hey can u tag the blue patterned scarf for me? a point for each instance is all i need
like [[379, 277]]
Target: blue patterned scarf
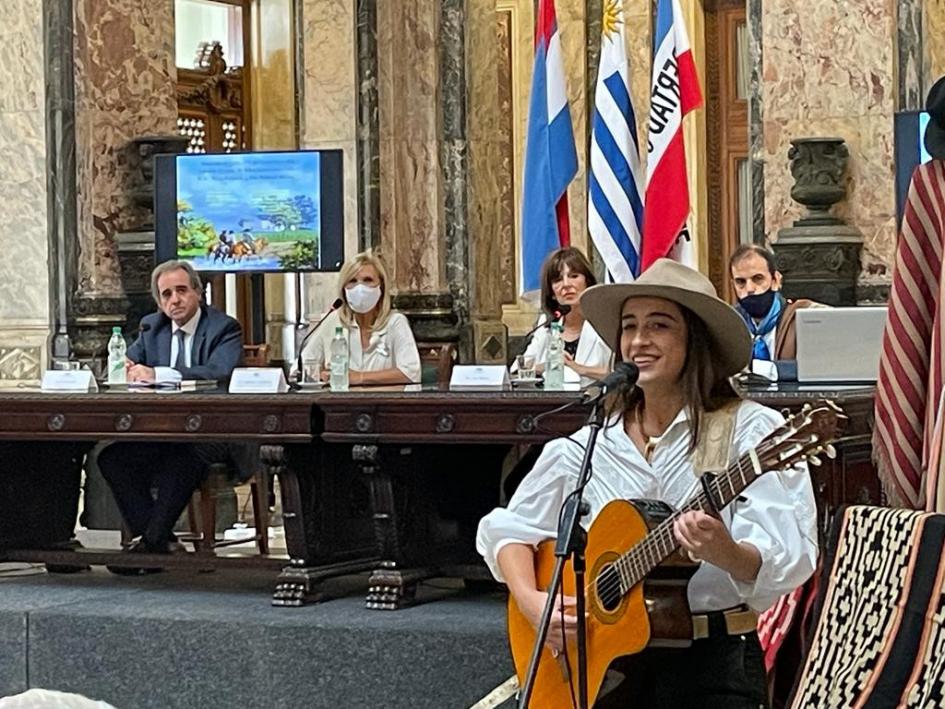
[[759, 350]]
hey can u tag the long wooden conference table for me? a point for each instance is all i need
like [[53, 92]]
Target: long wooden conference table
[[378, 479]]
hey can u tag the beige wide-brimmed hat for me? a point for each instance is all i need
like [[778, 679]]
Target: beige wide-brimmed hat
[[731, 343]]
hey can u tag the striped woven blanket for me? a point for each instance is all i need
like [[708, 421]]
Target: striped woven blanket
[[909, 387]]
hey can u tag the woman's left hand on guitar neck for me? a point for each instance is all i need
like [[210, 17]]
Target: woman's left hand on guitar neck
[[706, 538]]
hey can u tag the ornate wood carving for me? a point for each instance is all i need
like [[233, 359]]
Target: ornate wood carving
[[213, 106]]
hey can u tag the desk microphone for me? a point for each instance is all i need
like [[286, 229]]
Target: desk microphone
[[558, 314], [144, 327], [334, 306]]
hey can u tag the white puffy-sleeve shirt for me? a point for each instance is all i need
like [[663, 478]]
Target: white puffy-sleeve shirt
[[390, 346], [591, 351], [776, 514]]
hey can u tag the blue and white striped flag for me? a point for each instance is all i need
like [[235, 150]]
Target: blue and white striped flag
[[615, 186]]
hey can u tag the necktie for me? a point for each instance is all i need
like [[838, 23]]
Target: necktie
[[181, 362]]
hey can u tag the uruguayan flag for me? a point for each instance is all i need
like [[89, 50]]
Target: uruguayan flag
[[615, 187]]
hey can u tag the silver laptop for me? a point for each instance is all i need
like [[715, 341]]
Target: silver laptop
[[839, 344]]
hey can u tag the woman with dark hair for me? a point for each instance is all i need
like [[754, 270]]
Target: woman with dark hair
[[686, 343], [565, 275]]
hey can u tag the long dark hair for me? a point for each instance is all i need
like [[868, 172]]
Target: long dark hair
[[703, 388], [551, 271]]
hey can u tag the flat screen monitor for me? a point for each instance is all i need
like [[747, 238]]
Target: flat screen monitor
[[251, 212], [909, 134]]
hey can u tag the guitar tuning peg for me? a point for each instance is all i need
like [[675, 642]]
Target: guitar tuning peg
[[831, 451], [814, 460]]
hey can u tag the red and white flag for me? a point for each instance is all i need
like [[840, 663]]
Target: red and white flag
[[674, 93]]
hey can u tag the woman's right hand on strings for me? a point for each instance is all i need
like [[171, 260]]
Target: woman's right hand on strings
[[532, 607]]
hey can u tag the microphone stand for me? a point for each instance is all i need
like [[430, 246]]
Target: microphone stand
[[571, 542]]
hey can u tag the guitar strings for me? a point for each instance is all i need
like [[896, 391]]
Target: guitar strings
[[611, 587], [662, 534]]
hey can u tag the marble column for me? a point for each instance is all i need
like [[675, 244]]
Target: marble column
[[911, 88], [756, 145], [125, 77], [933, 42], [484, 145], [327, 81], [369, 210], [24, 282]]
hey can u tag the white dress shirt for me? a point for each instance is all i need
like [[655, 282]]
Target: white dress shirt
[[169, 374], [777, 516], [591, 351], [389, 347]]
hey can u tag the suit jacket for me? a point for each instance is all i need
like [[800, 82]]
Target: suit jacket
[[216, 350], [785, 339]]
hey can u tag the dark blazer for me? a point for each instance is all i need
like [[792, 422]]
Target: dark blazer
[[216, 351]]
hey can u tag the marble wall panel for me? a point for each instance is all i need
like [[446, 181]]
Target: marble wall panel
[[409, 144], [485, 149], [830, 69], [24, 289], [328, 115], [125, 87], [933, 40]]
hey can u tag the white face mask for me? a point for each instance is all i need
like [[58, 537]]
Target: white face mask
[[362, 298]]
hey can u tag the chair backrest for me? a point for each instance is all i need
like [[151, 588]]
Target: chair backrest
[[436, 362], [879, 637], [256, 355]]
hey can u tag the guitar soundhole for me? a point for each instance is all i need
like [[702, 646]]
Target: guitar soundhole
[[608, 589]]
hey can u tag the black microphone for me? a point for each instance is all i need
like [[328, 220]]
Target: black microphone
[[144, 327], [624, 376], [334, 306], [558, 314]]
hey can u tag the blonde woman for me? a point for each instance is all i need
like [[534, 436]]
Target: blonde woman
[[381, 346]]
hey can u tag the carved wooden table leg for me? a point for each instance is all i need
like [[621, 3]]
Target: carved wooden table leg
[[309, 565], [391, 586]]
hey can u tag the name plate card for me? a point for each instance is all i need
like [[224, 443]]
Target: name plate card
[[258, 380], [60, 380], [479, 376]]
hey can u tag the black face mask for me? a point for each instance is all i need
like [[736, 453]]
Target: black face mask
[[759, 304]]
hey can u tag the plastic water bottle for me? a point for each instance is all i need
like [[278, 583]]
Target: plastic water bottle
[[116, 357], [554, 367], [338, 375]]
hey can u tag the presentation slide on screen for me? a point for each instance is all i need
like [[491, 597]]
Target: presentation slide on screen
[[251, 211]]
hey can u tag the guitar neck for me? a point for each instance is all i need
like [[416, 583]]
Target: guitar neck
[[634, 565]]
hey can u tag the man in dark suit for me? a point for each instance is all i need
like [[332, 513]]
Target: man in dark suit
[[185, 340]]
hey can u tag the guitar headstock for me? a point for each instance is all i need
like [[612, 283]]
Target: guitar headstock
[[805, 435]]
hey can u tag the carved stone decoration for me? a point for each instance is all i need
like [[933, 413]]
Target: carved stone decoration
[[20, 363], [819, 255], [143, 150], [818, 166]]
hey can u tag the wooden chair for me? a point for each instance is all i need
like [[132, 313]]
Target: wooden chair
[[202, 514], [436, 361], [256, 355], [203, 523]]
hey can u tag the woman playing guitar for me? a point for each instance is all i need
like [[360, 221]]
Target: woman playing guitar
[[686, 343]]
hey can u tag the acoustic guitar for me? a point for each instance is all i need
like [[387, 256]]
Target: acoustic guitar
[[637, 576]]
